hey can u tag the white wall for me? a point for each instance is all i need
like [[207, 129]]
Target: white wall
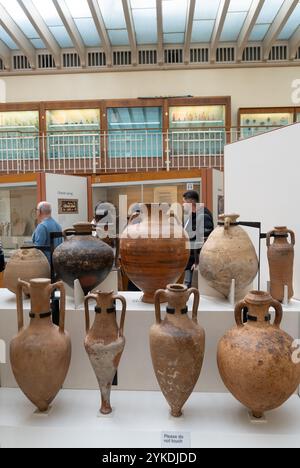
[[248, 87], [262, 184], [67, 187], [218, 191]]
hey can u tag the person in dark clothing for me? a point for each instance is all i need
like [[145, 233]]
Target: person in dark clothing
[[199, 226], [2, 260]]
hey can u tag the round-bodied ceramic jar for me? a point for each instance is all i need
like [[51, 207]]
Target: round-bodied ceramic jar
[[255, 358], [25, 264], [154, 251], [228, 255]]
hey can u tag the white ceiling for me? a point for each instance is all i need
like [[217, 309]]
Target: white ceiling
[[31, 26]]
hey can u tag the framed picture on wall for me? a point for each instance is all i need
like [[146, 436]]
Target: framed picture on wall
[[68, 206]]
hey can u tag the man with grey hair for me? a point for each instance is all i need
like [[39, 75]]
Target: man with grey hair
[[46, 225]]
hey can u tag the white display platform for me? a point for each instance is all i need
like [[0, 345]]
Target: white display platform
[[135, 370], [211, 420]]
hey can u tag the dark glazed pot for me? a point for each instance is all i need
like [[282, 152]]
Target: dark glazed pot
[[255, 359], [83, 257]]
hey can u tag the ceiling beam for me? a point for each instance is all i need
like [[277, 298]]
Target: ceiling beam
[[18, 36], [277, 26], [250, 21], [160, 33], [294, 44], [131, 31], [6, 55], [219, 24], [40, 26], [72, 29], [189, 29], [100, 25]]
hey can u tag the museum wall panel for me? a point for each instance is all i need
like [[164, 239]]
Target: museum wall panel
[[261, 190], [249, 87]]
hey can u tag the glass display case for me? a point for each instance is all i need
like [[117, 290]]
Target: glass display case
[[145, 192], [19, 135], [73, 133], [17, 216], [197, 130], [135, 132], [254, 123]]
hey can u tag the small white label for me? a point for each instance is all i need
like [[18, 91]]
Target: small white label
[[175, 440], [190, 186]]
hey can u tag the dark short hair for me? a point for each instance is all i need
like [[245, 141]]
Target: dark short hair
[[192, 195]]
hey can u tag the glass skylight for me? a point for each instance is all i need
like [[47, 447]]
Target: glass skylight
[[143, 3], [174, 38], [15, 11], [113, 15], [144, 14], [145, 25], [174, 16], [88, 32], [7, 39], [61, 35], [118, 37], [206, 10], [259, 32], [232, 27], [79, 8], [269, 11], [48, 12], [292, 24], [38, 43], [239, 5], [202, 30]]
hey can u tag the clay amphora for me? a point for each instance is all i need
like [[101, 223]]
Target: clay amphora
[[154, 252], [40, 354], [255, 359], [25, 264], [177, 346], [105, 341], [83, 257], [228, 255], [281, 262]]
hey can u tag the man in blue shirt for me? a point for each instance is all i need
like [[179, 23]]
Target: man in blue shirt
[[46, 225]]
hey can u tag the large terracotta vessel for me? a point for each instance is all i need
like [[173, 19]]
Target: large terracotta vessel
[[105, 342], [40, 354], [83, 257], [177, 346], [281, 262], [255, 358], [25, 264], [154, 251], [229, 255]]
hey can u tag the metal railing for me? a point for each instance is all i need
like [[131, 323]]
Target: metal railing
[[118, 151]]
